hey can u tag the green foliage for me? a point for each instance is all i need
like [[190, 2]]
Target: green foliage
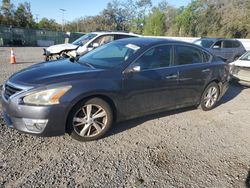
[[7, 13], [23, 16], [49, 24], [155, 23]]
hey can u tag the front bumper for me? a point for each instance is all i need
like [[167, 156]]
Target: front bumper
[[36, 120]]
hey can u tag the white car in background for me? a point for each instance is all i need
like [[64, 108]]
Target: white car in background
[[84, 44], [240, 69]]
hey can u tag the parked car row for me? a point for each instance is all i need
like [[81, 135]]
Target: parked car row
[[117, 81], [228, 50]]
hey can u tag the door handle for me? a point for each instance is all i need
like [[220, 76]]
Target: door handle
[[171, 76], [205, 70]]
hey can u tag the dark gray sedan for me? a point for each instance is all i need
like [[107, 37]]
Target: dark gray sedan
[[118, 81]]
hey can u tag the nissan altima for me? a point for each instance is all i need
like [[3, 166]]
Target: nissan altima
[[121, 80]]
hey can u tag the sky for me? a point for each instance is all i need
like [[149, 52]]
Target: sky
[[75, 8]]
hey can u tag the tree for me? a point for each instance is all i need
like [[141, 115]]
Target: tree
[[50, 24], [187, 22], [155, 23], [140, 9], [23, 16], [7, 12]]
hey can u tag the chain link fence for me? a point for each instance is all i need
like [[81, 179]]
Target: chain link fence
[[13, 36]]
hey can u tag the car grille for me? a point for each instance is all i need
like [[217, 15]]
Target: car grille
[[10, 90]]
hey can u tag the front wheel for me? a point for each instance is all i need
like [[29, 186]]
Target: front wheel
[[210, 97], [90, 120]]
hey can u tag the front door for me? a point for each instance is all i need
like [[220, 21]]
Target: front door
[[152, 84]]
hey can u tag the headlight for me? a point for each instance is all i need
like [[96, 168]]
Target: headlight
[[46, 97]]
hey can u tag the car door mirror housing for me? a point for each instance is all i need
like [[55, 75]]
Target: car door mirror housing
[[216, 47], [136, 68]]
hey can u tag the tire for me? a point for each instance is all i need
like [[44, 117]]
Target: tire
[[90, 120], [210, 97]]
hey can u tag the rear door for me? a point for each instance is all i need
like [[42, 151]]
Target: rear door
[[194, 72], [228, 50], [217, 49], [153, 85]]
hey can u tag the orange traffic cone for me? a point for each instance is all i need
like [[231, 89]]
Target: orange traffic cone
[[12, 57]]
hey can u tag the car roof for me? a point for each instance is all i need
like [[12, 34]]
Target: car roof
[[216, 39], [150, 41], [115, 32]]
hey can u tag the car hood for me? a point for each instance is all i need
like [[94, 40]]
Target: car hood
[[241, 63], [52, 72], [60, 47]]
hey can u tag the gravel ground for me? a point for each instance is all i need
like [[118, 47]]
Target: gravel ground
[[182, 148]]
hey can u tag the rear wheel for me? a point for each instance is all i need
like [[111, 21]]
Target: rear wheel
[[90, 120], [209, 97]]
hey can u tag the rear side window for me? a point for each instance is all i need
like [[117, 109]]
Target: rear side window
[[188, 55], [157, 57], [227, 44], [236, 44]]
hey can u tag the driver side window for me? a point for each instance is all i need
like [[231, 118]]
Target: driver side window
[[157, 57], [218, 45], [103, 40]]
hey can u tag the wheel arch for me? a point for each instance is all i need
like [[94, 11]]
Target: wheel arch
[[215, 80], [104, 97]]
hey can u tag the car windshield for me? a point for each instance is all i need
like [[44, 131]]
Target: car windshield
[[109, 56], [205, 43], [84, 39], [246, 56]]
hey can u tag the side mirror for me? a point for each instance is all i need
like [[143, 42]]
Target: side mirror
[[136, 68], [95, 45], [216, 47]]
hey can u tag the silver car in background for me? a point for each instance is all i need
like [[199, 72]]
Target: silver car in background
[[227, 49], [84, 44], [240, 69]]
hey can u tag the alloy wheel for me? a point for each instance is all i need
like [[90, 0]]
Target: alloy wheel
[[211, 97], [90, 120]]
